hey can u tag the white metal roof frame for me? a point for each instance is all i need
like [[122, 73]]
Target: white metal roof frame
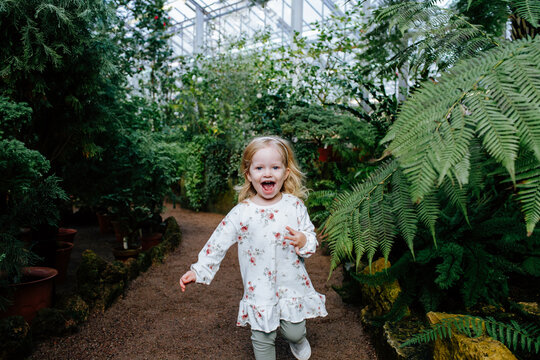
[[202, 24]]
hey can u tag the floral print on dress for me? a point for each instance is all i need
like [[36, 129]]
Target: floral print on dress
[[276, 284], [270, 275], [250, 291], [304, 280], [243, 228], [253, 255], [267, 215], [278, 238]]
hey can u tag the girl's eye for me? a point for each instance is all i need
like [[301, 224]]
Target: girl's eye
[[258, 168], [276, 167]]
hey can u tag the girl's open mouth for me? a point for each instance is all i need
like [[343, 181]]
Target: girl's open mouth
[[268, 186]]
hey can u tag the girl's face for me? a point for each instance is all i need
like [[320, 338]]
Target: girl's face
[[267, 173]]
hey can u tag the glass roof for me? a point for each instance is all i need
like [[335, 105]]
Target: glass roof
[[205, 25]]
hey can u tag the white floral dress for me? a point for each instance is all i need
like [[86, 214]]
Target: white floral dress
[[276, 283]]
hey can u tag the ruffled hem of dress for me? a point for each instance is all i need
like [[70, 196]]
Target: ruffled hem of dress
[[266, 318]]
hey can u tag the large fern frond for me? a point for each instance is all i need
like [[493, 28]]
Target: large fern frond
[[428, 212], [483, 98], [403, 209], [528, 184], [360, 220]]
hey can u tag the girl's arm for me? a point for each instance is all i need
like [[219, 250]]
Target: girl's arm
[[211, 255], [304, 239]]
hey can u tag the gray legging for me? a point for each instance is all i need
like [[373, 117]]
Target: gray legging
[[264, 343]]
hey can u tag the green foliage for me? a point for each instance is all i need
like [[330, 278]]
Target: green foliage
[[493, 20], [141, 32], [15, 118], [359, 216], [141, 176], [193, 170], [30, 198], [431, 35], [528, 10], [207, 166], [513, 335], [57, 59], [327, 127], [30, 195], [478, 245], [494, 98]]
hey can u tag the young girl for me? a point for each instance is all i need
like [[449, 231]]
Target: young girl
[[274, 235]]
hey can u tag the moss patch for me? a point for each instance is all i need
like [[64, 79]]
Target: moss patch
[[16, 340]]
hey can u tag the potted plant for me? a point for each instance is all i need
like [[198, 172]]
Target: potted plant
[[28, 199], [142, 178], [126, 216]]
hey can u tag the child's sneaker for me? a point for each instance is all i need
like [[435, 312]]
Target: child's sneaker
[[302, 350]]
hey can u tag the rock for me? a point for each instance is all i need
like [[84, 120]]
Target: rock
[[379, 298], [462, 347], [388, 339]]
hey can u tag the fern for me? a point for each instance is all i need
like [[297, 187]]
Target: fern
[[441, 35], [481, 97], [528, 181], [361, 220], [529, 10], [513, 335], [404, 209]]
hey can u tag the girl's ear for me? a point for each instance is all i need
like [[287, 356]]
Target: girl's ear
[[287, 173], [248, 177]]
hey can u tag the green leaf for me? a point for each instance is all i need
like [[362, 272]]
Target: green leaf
[[532, 265]]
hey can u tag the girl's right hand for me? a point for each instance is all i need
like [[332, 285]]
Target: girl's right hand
[[187, 278]]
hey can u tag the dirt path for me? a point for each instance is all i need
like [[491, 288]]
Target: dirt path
[[156, 321]]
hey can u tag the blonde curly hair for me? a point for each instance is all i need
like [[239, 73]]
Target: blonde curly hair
[[294, 183]]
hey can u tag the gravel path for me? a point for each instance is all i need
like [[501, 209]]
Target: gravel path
[[155, 320]]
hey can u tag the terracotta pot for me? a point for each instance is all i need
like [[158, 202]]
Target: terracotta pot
[[148, 241], [125, 254], [325, 153], [104, 221], [61, 259], [67, 235], [33, 294]]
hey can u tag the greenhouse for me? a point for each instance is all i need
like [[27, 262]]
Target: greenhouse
[[365, 175]]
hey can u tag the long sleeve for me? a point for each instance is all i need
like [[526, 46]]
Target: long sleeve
[[214, 251], [305, 226]]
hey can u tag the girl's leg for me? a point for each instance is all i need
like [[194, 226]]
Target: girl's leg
[[264, 345], [293, 332]]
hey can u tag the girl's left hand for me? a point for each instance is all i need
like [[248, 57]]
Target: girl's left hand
[[298, 239]]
